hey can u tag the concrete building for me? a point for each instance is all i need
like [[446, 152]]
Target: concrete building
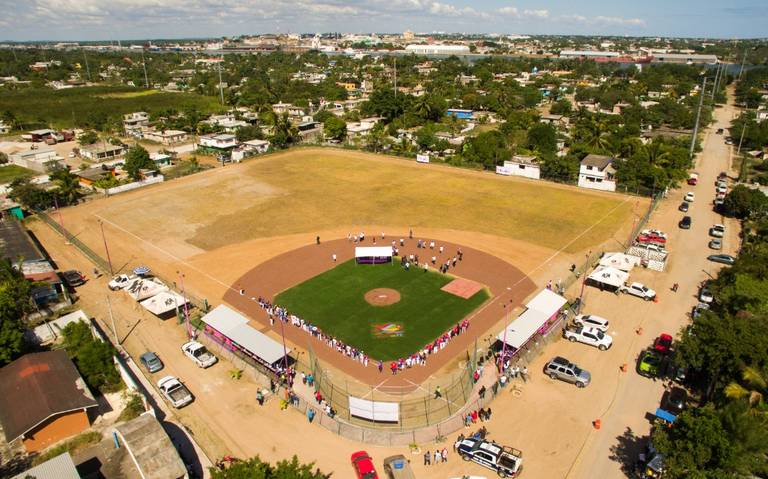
[[249, 148], [43, 400], [102, 152], [587, 54], [165, 137], [525, 166], [684, 58], [133, 122], [35, 160], [223, 141], [437, 49], [150, 449], [596, 172]]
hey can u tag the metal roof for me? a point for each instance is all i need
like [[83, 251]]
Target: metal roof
[[60, 467]]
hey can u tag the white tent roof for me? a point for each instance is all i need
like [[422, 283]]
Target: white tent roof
[[610, 276], [373, 251], [163, 302], [235, 326], [141, 289], [542, 307], [624, 262]]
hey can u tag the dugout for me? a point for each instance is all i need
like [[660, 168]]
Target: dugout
[[373, 254], [231, 329]]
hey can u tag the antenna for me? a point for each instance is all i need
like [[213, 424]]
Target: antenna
[[87, 68], [221, 87]]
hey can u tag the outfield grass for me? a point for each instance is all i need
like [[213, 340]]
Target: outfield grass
[[334, 301], [9, 173]]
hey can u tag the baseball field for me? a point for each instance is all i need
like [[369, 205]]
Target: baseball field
[[413, 311]]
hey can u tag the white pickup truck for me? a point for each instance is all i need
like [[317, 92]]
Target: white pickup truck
[[592, 336], [639, 290], [173, 390], [199, 354], [121, 281]]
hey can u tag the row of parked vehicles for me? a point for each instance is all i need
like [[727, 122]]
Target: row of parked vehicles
[[170, 386]]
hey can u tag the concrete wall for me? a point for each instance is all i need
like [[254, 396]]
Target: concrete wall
[[55, 429]]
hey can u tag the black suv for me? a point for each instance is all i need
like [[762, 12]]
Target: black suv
[[73, 278], [685, 223]]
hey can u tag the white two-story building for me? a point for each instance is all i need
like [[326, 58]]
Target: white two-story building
[[596, 172]]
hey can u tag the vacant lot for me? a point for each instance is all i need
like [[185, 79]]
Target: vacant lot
[[334, 301], [9, 173]]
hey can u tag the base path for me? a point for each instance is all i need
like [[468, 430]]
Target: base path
[[508, 285]]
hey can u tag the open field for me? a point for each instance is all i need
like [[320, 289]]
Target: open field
[[9, 173], [44, 107], [334, 301]]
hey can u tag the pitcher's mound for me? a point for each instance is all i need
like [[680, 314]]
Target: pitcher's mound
[[382, 296]]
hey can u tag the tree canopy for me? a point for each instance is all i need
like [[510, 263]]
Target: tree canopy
[[137, 159], [255, 468]]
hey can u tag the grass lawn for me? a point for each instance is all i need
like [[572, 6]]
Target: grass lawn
[[334, 301], [9, 173]]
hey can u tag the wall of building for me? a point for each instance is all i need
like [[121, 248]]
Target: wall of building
[[55, 429]]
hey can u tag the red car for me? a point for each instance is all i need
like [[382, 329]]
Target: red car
[[363, 465], [663, 344], [651, 238]]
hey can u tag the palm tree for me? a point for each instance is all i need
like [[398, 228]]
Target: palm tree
[[423, 107], [756, 384], [68, 186], [654, 153]]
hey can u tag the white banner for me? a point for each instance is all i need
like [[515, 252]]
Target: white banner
[[422, 158], [374, 410]]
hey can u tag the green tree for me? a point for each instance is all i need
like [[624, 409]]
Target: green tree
[[3, 158], [87, 138], [92, 357], [30, 195], [487, 149], [561, 107], [250, 132], [335, 128], [14, 305], [137, 159], [67, 189], [542, 138], [742, 202], [255, 468]]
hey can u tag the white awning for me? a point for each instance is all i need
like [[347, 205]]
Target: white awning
[[163, 302], [624, 262], [374, 410], [539, 310], [235, 326], [373, 252], [610, 276]]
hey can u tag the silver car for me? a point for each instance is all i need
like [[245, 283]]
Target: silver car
[[564, 370], [716, 243]]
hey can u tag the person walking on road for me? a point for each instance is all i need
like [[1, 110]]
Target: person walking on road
[[427, 458], [438, 394]]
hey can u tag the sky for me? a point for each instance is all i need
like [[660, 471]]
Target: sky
[[25, 20]]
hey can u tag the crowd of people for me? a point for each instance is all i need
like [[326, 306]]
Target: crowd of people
[[436, 457], [418, 358]]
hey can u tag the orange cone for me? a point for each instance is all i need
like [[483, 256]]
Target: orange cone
[[639, 331], [624, 368], [596, 423]]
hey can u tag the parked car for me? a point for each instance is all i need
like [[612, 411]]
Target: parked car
[[151, 362], [722, 258], [728, 140], [120, 281], [174, 391], [592, 336], [719, 131], [683, 207], [363, 465], [697, 310], [651, 238], [398, 467], [705, 295], [592, 321], [73, 278], [716, 243], [639, 290], [675, 400], [199, 354], [506, 461], [693, 179], [689, 197], [717, 230], [650, 364], [685, 223], [663, 344], [653, 232], [652, 247], [721, 189], [721, 182], [564, 370]]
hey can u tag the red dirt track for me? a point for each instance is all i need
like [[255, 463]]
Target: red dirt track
[[508, 286]]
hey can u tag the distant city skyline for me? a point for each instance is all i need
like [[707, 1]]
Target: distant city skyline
[[105, 20]]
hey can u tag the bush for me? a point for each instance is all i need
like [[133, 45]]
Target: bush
[[133, 408], [92, 357]]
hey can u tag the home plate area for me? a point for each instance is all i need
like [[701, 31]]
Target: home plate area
[[463, 288]]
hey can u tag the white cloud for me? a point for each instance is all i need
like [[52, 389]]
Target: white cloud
[[603, 20]]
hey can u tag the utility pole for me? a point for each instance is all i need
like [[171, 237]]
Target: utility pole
[[717, 79], [144, 64], [698, 115], [743, 59], [221, 87], [104, 238], [87, 68], [395, 59], [743, 167], [112, 320]]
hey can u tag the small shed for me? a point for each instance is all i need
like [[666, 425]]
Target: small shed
[[150, 448]]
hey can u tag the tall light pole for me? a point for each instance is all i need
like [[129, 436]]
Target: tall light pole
[[698, 115], [186, 304], [584, 279], [106, 248]]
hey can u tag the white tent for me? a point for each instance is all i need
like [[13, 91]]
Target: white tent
[[142, 289], [373, 252], [624, 262], [538, 311], [163, 302], [609, 276], [235, 327]]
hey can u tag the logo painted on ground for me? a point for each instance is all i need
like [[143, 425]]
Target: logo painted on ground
[[388, 330]]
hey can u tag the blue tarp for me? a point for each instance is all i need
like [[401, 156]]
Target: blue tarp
[[665, 415]]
